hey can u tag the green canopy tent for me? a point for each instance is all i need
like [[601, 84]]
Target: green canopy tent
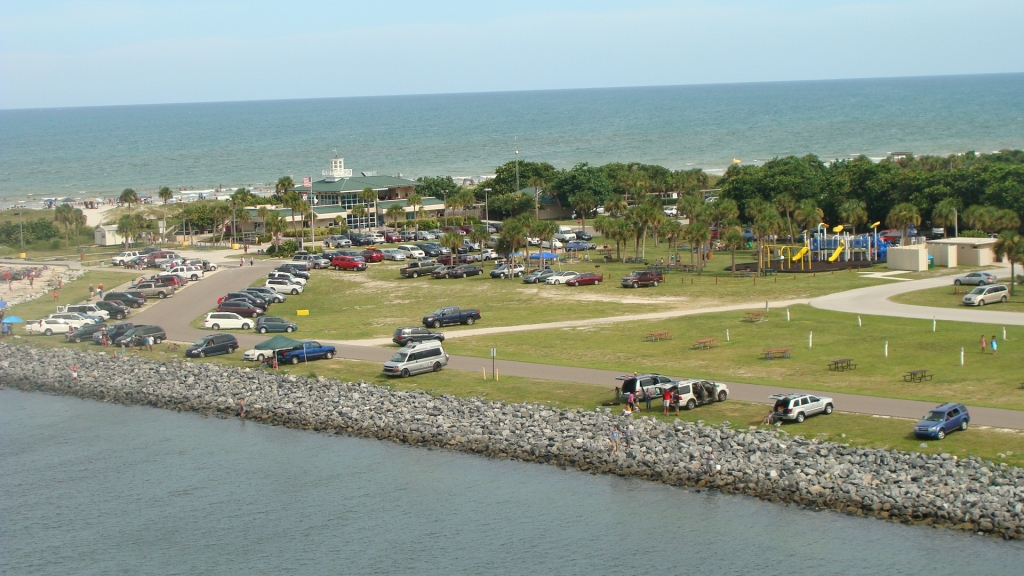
[[279, 343]]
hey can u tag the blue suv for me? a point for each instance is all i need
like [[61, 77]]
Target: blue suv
[[942, 420]]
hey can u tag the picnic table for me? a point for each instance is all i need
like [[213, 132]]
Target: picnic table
[[660, 335], [705, 344], [756, 317], [773, 353], [842, 364], [917, 376]]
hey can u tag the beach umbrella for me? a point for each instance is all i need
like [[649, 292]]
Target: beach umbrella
[[12, 320]]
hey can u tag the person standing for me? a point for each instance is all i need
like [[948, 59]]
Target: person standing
[[630, 398], [251, 261], [55, 295], [99, 292], [994, 344], [647, 399], [627, 435], [241, 262], [241, 408], [615, 439], [92, 291], [666, 401], [709, 461], [74, 372], [984, 344], [149, 343]]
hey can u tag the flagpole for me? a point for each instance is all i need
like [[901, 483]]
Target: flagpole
[[312, 216]]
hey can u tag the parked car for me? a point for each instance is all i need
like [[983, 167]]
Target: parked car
[[254, 299], [348, 263], [124, 257], [112, 332], [393, 254], [337, 242], [90, 310], [642, 278], [114, 309], [983, 295], [137, 335], [468, 259], [293, 270], [506, 270], [450, 315], [586, 236], [284, 286], [488, 254], [565, 236], [83, 332], [372, 255], [693, 393], [207, 265], [976, 279], [311, 260], [171, 280], [585, 279], [408, 236], [376, 237], [561, 277], [275, 324], [266, 293], [538, 276], [407, 334], [50, 326], [443, 272], [360, 240], [555, 243], [240, 307], [417, 358], [797, 407], [157, 289], [411, 251], [309, 350], [418, 268], [74, 318], [125, 298], [942, 420], [286, 276], [212, 345], [580, 245], [193, 273], [429, 250], [393, 236], [227, 321], [638, 383]]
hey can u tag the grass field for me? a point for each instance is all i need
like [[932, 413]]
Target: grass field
[[946, 297], [985, 380], [371, 304], [72, 293], [857, 430]]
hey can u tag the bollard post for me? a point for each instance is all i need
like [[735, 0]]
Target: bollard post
[[810, 340], [886, 348], [858, 322], [1004, 332], [484, 370], [495, 374], [787, 314], [727, 335], [933, 324], [961, 356], [755, 280], [716, 279], [766, 306]]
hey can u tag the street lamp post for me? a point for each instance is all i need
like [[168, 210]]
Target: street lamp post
[[956, 224], [21, 231], [487, 213]]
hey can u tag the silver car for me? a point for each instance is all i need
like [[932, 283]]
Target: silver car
[[417, 358], [797, 407], [976, 279], [986, 295]]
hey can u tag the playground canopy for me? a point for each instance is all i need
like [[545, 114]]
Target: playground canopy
[[544, 255]]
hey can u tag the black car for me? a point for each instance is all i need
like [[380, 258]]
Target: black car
[[137, 335], [581, 235], [137, 294], [125, 298], [113, 331], [360, 240], [408, 334], [257, 301], [212, 345], [466, 270], [85, 332], [430, 250], [294, 271], [268, 294], [116, 311]]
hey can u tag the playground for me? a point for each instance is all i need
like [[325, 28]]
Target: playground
[[822, 251]]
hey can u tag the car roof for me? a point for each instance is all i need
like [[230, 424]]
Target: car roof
[[948, 406]]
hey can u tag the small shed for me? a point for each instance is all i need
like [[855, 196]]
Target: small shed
[[963, 251], [107, 236]]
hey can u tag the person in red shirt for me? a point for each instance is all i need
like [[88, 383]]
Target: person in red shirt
[[666, 400]]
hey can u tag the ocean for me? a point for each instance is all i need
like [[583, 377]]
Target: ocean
[[78, 152], [96, 488]]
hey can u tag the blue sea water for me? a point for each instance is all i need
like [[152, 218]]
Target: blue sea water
[[102, 150]]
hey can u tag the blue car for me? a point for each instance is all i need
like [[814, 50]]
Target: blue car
[[578, 245], [309, 350], [943, 420]]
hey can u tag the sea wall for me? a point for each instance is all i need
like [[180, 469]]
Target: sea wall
[[967, 494]]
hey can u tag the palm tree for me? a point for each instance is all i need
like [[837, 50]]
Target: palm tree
[[766, 224], [297, 205], [262, 213], [672, 230], [854, 212], [64, 216], [415, 201], [583, 202], [221, 217], [466, 200], [785, 203], [1010, 245], [359, 212], [79, 221], [283, 186], [394, 213], [368, 196], [166, 195], [700, 234], [734, 239], [615, 207], [451, 241], [903, 216], [129, 197], [129, 226], [688, 205], [980, 217], [807, 214], [944, 213], [1005, 219], [725, 209], [513, 235]]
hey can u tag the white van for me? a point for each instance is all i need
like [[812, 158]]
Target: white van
[[565, 234], [226, 320], [417, 358], [411, 251]]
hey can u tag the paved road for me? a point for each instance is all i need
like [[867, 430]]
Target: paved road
[[175, 314], [875, 300]]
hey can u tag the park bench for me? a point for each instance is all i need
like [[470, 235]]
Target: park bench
[[917, 376], [756, 317], [705, 344], [842, 365], [773, 353], [660, 335]]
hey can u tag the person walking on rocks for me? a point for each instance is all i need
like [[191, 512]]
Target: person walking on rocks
[[627, 435], [615, 440], [709, 461], [984, 344], [74, 372], [241, 408], [994, 344]]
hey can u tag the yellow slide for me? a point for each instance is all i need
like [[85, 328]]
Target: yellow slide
[[800, 254], [838, 251]]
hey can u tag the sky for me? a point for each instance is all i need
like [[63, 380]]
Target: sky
[[94, 53]]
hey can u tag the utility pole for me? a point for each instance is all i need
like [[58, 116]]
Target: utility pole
[[956, 224], [514, 140], [21, 231]]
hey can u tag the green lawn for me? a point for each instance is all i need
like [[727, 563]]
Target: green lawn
[[356, 305], [72, 293], [952, 296], [855, 429], [985, 380]]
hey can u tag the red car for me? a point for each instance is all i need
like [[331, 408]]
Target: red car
[[467, 228], [392, 237], [239, 307], [172, 280], [372, 255], [348, 263], [586, 279], [445, 259]]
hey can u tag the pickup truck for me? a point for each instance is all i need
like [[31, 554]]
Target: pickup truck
[[450, 315], [419, 268], [642, 278], [309, 350], [86, 309], [158, 289]]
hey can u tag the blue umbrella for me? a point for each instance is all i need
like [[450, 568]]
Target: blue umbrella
[[545, 255], [12, 319]]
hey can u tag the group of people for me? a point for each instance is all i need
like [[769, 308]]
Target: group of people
[[986, 344], [97, 291]]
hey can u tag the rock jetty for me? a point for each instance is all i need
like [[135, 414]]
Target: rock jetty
[[967, 494]]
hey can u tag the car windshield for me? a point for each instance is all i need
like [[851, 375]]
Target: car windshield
[[399, 357], [199, 342], [935, 416], [437, 312], [978, 290]]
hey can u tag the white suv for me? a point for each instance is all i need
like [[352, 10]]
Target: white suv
[[286, 276], [226, 320], [986, 295], [284, 286], [123, 257], [187, 272], [798, 407]]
